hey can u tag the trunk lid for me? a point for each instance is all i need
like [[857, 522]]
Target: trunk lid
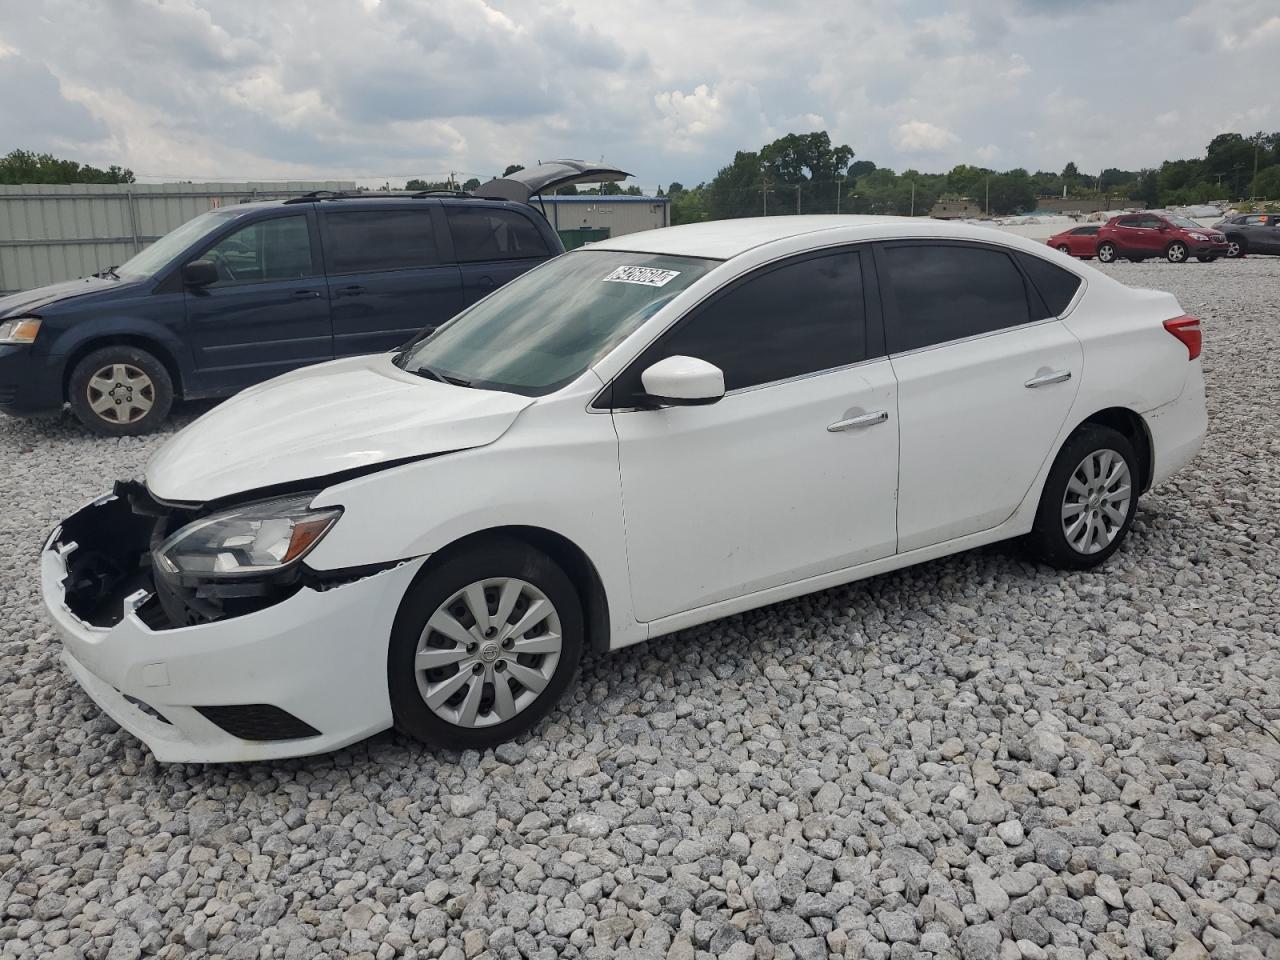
[[525, 184]]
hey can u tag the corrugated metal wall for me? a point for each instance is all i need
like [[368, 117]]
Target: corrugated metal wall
[[52, 232]]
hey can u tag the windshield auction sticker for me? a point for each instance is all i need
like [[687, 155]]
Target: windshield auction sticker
[[648, 276]]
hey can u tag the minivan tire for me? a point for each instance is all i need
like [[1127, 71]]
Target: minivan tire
[[1048, 539], [498, 561], [120, 390]]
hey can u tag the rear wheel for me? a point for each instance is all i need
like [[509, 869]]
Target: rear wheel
[[1235, 248], [1106, 253], [1088, 501], [483, 646], [120, 390], [1176, 252]]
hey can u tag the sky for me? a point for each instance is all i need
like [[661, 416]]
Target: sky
[[391, 89]]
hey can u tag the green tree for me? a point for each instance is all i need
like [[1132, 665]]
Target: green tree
[[24, 166], [1267, 183], [512, 168], [471, 184]]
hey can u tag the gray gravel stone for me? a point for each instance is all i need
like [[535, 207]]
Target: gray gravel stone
[[965, 758]]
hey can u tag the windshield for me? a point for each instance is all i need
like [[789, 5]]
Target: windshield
[[1182, 222], [545, 328], [147, 262]]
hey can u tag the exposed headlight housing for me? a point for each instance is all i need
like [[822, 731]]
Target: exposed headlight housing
[[1197, 236], [251, 540], [19, 330]]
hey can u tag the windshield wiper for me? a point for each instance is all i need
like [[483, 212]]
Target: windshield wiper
[[441, 377], [109, 272]]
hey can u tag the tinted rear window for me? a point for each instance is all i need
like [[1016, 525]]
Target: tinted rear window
[[1056, 285], [366, 241], [948, 292], [1085, 231], [486, 233]]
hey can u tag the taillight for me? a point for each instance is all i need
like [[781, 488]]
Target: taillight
[[1186, 329]]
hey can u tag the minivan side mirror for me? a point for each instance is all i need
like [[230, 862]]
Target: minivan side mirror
[[200, 273], [683, 382]]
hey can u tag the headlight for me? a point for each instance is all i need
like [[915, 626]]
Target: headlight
[[1197, 236], [21, 330], [258, 538]]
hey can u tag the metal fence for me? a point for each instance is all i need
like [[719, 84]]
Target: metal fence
[[52, 232]]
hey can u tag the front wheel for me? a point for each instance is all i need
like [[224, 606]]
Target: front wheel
[[1235, 248], [1088, 501], [1176, 252], [1106, 253], [1064, 248], [483, 646], [120, 390]]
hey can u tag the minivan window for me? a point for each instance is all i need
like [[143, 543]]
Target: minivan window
[[1056, 286], [546, 327], [146, 262], [785, 321], [491, 233], [364, 241], [937, 293], [276, 249]]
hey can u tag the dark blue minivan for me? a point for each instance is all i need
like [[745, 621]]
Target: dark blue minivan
[[241, 294]]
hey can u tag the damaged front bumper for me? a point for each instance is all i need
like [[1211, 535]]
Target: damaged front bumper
[[303, 675]]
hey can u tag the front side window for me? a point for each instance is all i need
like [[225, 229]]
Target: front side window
[[786, 321], [546, 327], [278, 249], [366, 241], [491, 233], [1185, 223], [173, 243], [937, 293]]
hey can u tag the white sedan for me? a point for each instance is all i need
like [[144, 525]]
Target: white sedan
[[634, 438]]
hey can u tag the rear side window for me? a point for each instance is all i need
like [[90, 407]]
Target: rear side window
[[1055, 285], [1085, 231], [486, 233], [367, 241], [938, 293], [787, 321]]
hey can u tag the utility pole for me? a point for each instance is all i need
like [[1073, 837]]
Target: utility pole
[[988, 195], [798, 189], [913, 198], [764, 196], [839, 190]]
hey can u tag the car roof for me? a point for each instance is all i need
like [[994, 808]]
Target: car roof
[[725, 239], [374, 199]]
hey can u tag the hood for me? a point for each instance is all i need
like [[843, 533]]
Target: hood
[[31, 301], [324, 420], [523, 184]]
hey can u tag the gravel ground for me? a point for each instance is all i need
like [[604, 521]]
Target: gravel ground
[[974, 758]]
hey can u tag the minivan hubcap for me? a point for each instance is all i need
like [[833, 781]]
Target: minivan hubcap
[[1096, 502], [120, 393], [488, 652]]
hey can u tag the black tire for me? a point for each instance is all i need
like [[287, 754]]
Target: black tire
[[1176, 252], [1048, 539], [1065, 249], [1106, 252], [148, 383], [1236, 247], [495, 558]]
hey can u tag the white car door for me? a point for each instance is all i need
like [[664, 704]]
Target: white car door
[[792, 473], [985, 383]]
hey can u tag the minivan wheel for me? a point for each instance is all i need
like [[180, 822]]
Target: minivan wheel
[[483, 646], [1176, 252], [1106, 253], [120, 390], [1088, 501]]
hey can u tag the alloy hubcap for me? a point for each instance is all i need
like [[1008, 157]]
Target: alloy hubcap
[[120, 393], [488, 652], [1233, 249], [1106, 254], [1096, 503], [1177, 252]]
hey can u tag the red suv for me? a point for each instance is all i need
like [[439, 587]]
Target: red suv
[[1139, 236], [1079, 242]]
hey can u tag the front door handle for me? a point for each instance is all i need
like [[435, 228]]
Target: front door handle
[[305, 294], [861, 420], [1044, 379]]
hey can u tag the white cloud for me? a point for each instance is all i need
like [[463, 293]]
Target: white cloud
[[918, 136]]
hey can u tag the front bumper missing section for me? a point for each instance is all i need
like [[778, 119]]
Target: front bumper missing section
[[319, 655]]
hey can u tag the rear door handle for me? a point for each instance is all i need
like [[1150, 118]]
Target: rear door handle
[[350, 290], [305, 294], [861, 420], [1044, 379]]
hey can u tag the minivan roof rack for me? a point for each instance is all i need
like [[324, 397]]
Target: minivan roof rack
[[315, 195], [424, 194]]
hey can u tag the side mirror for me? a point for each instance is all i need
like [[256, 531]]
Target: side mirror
[[683, 382], [1163, 228], [200, 273]]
